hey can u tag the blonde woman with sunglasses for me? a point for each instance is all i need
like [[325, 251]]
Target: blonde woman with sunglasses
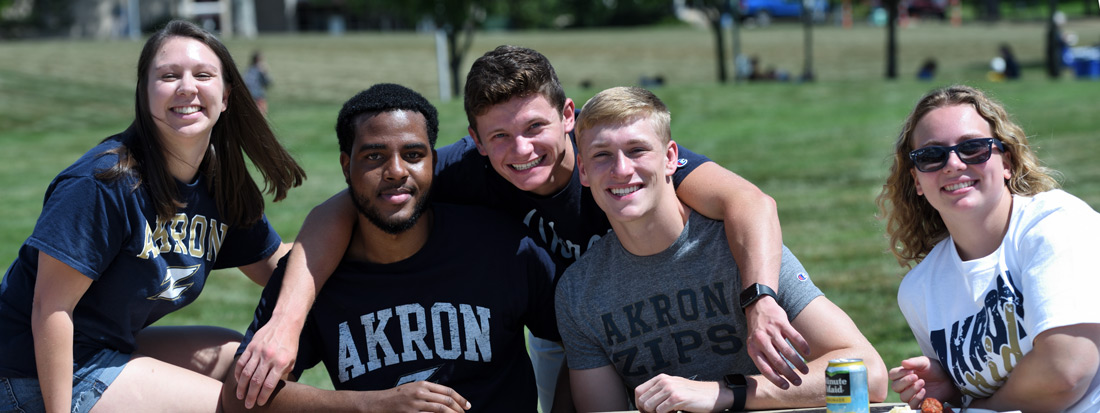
[[1003, 298]]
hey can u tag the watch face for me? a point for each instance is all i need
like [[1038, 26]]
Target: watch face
[[749, 292], [735, 380], [754, 292]]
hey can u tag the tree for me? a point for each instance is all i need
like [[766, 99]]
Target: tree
[[604, 13], [808, 40], [1054, 41], [891, 39], [457, 19], [714, 10]]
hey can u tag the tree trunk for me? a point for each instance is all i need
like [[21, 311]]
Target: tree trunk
[[735, 39], [891, 39], [456, 52], [808, 41], [454, 59], [1054, 53], [719, 47]]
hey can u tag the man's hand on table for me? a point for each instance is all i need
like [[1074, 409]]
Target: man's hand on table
[[665, 393]]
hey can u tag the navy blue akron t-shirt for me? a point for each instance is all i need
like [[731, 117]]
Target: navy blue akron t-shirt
[[453, 313], [142, 268]]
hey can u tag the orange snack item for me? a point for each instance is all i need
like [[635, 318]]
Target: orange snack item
[[931, 405]]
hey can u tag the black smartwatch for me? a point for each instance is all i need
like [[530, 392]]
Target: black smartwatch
[[739, 385], [755, 292]]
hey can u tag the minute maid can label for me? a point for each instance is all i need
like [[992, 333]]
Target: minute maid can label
[[846, 387]]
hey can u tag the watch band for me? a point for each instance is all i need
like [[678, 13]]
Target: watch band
[[739, 385], [755, 292]]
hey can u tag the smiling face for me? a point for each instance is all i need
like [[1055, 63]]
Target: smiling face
[[187, 93], [961, 189], [525, 140], [628, 167], [389, 169]]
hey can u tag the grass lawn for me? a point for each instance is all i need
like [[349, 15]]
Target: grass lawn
[[820, 149]]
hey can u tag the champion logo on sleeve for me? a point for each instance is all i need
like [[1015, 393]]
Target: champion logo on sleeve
[[680, 163], [802, 276]]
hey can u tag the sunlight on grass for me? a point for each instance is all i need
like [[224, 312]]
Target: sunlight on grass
[[819, 149]]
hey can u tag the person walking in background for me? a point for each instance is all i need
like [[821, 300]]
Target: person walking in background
[[257, 80], [1002, 299], [130, 232]]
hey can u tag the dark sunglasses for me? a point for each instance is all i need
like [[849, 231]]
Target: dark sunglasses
[[971, 152]]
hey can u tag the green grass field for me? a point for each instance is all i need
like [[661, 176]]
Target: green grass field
[[820, 149]]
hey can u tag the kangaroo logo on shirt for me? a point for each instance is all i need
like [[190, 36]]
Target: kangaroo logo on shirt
[[981, 350], [173, 282]]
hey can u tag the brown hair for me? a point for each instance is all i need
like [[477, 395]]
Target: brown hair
[[240, 128], [508, 72], [620, 105], [912, 224]]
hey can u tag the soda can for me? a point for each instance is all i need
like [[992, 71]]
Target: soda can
[[846, 387]]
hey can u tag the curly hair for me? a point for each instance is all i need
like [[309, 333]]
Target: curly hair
[[383, 97], [912, 224]]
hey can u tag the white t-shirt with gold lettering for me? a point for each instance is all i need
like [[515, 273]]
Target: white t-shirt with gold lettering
[[978, 318]]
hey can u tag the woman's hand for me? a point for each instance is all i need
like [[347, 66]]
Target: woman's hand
[[921, 377]]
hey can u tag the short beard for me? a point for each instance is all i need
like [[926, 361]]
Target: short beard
[[388, 226]]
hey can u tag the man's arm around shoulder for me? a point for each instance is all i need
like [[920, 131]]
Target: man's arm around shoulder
[[753, 232]]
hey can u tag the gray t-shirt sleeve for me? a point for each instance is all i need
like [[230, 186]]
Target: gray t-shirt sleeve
[[796, 290], [582, 351]]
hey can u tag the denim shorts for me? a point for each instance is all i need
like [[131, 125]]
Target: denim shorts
[[89, 383]]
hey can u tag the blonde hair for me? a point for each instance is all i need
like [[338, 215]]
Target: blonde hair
[[621, 105], [912, 224]]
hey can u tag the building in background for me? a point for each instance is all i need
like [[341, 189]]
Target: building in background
[[107, 19]]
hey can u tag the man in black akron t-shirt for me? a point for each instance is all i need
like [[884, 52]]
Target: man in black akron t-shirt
[[430, 300]]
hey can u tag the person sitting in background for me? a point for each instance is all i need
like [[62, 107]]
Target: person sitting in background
[[654, 308], [1012, 66], [1002, 299], [927, 70]]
